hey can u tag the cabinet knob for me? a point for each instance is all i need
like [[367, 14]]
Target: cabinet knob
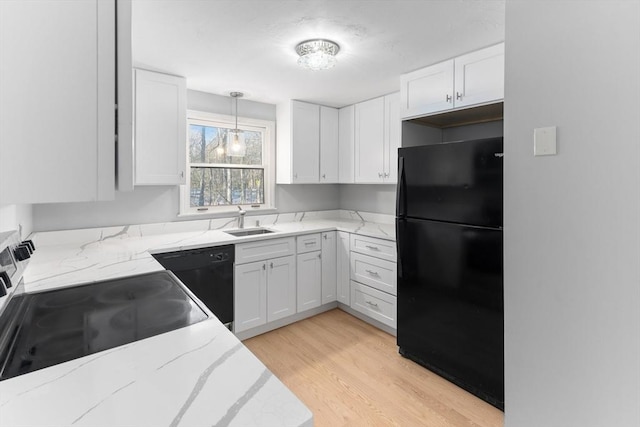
[[271, 265], [449, 98], [264, 266], [458, 96], [324, 176], [295, 175], [320, 256], [181, 174], [379, 174]]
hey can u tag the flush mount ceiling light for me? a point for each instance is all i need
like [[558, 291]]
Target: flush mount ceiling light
[[317, 54]]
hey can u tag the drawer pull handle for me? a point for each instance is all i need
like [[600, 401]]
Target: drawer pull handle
[[309, 243], [373, 273], [372, 304], [373, 248]]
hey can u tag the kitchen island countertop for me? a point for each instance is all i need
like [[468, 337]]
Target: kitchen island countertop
[[197, 375]]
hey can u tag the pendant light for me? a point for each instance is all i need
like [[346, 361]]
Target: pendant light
[[236, 146]]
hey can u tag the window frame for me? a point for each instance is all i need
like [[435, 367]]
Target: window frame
[[268, 164]]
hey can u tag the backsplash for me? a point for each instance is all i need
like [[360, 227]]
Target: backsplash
[[89, 235]]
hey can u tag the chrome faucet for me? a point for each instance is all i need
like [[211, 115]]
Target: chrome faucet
[[241, 215]]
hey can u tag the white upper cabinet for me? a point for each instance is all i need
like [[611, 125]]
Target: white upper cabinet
[[307, 143], [377, 138], [427, 90], [392, 137], [57, 86], [479, 76], [369, 141], [328, 144], [160, 128], [346, 135], [472, 79]]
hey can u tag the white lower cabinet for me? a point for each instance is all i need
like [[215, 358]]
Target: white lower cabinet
[[343, 268], [309, 278], [329, 267], [373, 278], [264, 291], [250, 296], [374, 303], [281, 288], [265, 288]]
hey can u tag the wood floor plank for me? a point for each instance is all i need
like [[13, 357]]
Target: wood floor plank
[[350, 373]]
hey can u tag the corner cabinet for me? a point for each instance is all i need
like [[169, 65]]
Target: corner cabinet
[[160, 128], [472, 79], [377, 137], [307, 143], [329, 267], [58, 86]]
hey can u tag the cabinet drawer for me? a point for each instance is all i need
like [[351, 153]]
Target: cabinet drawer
[[264, 249], [373, 303], [385, 249], [309, 243], [374, 272]]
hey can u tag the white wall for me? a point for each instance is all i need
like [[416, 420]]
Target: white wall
[[572, 221], [161, 203], [16, 217]]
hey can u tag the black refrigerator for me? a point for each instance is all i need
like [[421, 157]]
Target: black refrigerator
[[450, 264]]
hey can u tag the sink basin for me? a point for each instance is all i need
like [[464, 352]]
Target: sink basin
[[248, 231]]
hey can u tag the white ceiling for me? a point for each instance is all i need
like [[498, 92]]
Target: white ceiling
[[248, 45]]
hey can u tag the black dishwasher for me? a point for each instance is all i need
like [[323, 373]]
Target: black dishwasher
[[208, 273]]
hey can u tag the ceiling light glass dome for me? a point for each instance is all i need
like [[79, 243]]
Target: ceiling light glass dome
[[318, 54]]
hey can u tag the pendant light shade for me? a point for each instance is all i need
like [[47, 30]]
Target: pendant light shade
[[236, 146]]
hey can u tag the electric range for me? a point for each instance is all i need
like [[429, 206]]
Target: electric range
[[42, 329]]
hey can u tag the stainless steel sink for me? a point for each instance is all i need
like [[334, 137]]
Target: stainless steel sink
[[248, 231]]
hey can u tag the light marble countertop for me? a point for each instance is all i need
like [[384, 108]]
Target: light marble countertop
[[198, 375]]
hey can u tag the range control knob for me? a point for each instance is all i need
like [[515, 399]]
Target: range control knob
[[21, 253], [4, 276], [29, 243], [24, 245]]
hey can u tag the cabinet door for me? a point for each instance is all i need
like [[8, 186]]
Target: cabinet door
[[160, 128], [479, 76], [328, 144], [309, 284], [329, 267], [369, 141], [346, 141], [392, 137], [281, 288], [305, 139], [427, 90], [250, 296], [57, 97], [343, 267]]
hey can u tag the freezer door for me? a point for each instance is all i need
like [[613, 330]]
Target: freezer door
[[457, 182], [450, 303]]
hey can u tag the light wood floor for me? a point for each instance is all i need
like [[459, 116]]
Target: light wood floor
[[350, 373]]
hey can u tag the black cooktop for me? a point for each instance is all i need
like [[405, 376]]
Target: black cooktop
[[43, 329]]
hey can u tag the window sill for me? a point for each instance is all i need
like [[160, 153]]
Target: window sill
[[227, 213]]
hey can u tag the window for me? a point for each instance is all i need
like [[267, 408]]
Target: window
[[227, 169]]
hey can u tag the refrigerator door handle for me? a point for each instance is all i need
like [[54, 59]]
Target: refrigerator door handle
[[400, 223], [400, 190]]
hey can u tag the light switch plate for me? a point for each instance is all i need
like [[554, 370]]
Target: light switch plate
[[544, 141]]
